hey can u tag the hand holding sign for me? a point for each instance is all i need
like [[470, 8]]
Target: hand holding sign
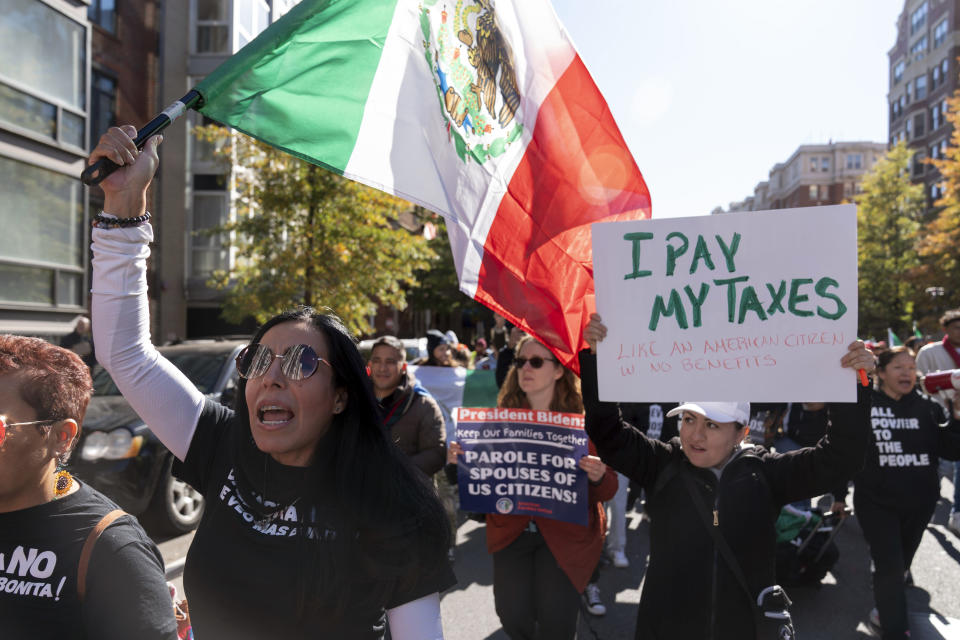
[[858, 357], [594, 332], [454, 450], [594, 467]]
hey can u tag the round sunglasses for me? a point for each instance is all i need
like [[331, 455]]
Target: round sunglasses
[[4, 425], [296, 363], [536, 361]]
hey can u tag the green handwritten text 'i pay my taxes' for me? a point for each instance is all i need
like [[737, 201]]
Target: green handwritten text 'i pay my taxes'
[[764, 300]]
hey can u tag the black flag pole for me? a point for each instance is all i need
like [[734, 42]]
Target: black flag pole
[[103, 167]]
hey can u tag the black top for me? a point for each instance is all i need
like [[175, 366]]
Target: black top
[[910, 435], [504, 360], [243, 576], [126, 597], [689, 593], [82, 345], [651, 418]]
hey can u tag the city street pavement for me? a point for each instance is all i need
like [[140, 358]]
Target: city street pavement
[[836, 611]]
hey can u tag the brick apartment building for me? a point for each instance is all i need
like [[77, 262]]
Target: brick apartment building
[[814, 174], [923, 74]]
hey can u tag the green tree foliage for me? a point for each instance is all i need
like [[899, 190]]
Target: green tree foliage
[[304, 235], [940, 246], [888, 214]]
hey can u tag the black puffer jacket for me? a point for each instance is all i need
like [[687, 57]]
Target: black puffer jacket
[[689, 593]]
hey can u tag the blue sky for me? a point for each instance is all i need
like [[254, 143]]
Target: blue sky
[[710, 95]]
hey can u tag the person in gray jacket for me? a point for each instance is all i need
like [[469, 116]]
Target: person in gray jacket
[[411, 416]]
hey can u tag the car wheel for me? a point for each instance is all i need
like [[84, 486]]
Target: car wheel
[[176, 507]]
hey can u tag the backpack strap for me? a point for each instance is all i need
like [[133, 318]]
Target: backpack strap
[[87, 550], [667, 474], [700, 506]]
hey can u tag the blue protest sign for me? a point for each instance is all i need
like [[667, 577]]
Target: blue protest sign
[[522, 462]]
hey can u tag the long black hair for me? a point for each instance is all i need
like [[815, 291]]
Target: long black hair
[[391, 526]]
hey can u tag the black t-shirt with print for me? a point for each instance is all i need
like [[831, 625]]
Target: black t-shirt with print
[[908, 441], [126, 592], [242, 576]]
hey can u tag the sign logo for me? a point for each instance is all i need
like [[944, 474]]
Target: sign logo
[[504, 505], [473, 69]]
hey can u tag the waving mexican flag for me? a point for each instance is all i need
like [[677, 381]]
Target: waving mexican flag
[[478, 110]]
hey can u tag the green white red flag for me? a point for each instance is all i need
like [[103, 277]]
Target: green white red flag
[[479, 110], [892, 339]]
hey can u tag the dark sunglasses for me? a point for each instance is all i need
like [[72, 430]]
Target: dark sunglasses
[[296, 363], [536, 361], [4, 424]]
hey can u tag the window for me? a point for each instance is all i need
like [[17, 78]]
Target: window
[[938, 150], [938, 115], [824, 164], [935, 78], [41, 254], [910, 92], [103, 104], [908, 131], [855, 160], [212, 26], [919, 122], [813, 165], [921, 87], [251, 17], [208, 252], [939, 33], [918, 48], [44, 93], [918, 18], [103, 13], [918, 163], [944, 67], [936, 191], [898, 72], [813, 192]]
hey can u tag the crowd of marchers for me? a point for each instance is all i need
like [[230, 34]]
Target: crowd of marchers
[[328, 483]]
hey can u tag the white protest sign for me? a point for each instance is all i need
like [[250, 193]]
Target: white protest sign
[[756, 306]]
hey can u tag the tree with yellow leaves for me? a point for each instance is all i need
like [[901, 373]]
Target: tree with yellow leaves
[[304, 235], [940, 246]]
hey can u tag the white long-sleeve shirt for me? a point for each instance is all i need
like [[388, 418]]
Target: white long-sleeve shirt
[[160, 393]]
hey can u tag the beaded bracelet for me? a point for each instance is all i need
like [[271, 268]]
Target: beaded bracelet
[[101, 221]]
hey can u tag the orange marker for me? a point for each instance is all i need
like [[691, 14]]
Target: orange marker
[[863, 377]]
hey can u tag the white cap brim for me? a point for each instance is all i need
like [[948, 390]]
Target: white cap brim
[[705, 409]]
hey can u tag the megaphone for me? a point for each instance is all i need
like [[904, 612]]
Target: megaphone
[[941, 381]]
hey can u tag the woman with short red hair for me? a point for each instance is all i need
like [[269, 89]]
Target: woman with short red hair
[[46, 515]]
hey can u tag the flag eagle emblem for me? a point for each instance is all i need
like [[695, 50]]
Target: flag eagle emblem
[[472, 66]]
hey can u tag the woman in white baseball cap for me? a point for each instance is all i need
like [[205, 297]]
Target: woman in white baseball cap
[[713, 500], [711, 432]]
